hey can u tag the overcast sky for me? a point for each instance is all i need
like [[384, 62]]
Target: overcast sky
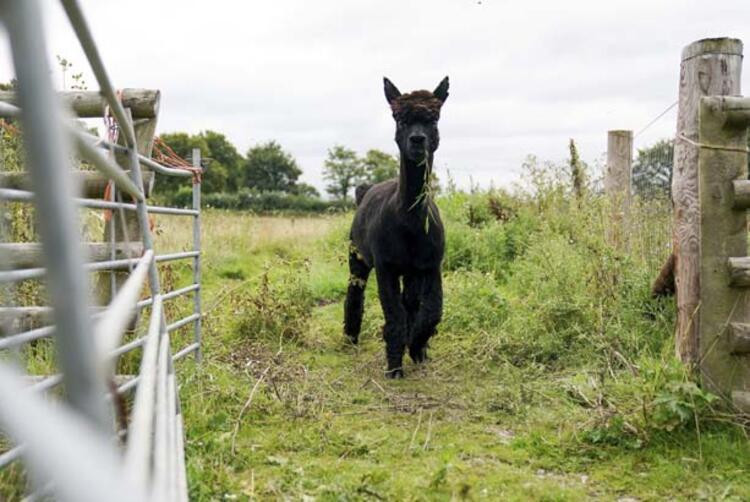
[[525, 75]]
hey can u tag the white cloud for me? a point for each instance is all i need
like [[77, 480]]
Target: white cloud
[[525, 76]]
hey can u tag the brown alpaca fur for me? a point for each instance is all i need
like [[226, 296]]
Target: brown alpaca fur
[[416, 106]]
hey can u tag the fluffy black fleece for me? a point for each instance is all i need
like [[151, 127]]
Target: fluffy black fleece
[[397, 230]]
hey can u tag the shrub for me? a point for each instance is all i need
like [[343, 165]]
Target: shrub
[[679, 404], [183, 197], [481, 238], [254, 200], [277, 308]]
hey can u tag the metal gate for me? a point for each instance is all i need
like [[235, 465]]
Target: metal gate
[[73, 449]]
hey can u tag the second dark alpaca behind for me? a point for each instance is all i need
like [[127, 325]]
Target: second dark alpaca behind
[[398, 231]]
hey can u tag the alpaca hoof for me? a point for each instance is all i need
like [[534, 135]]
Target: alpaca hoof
[[395, 374], [354, 340], [419, 355]]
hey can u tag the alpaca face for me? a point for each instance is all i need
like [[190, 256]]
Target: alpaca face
[[416, 115], [417, 139]]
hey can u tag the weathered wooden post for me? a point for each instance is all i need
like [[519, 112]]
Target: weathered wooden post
[[145, 126], [724, 190], [708, 67], [143, 105], [617, 182]]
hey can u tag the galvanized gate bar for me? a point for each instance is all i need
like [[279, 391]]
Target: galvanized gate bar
[[128, 347], [66, 467], [86, 146], [25, 274], [135, 381], [197, 260], [56, 433], [46, 149], [169, 296], [21, 195], [187, 350], [107, 166], [12, 341], [183, 322], [172, 478], [12, 194], [138, 452], [114, 322], [8, 111], [160, 432], [150, 163], [12, 455], [47, 383], [88, 45], [181, 469]]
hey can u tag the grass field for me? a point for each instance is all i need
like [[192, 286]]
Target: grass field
[[552, 376]]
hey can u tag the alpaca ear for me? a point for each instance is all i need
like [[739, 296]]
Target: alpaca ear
[[441, 91], [391, 91]]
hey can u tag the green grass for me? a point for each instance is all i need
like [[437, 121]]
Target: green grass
[[552, 376]]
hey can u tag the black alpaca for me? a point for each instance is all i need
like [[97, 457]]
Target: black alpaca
[[397, 229]]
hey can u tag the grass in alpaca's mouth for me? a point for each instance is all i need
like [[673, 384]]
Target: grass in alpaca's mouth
[[427, 193]]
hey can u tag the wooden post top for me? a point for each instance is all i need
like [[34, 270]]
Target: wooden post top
[[620, 149], [143, 103], [730, 46]]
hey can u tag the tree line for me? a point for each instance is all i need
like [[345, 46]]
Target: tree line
[[267, 175]]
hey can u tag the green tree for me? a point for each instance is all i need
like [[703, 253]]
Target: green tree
[[379, 166], [652, 169], [343, 170], [224, 161], [267, 167], [11, 85], [220, 159], [305, 189]]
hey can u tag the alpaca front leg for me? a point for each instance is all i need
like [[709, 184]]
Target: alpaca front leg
[[395, 320], [354, 305], [410, 297], [428, 317]]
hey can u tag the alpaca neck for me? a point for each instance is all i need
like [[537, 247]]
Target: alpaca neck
[[411, 183]]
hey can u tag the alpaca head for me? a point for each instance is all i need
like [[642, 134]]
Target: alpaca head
[[416, 115]]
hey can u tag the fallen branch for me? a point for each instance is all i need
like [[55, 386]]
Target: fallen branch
[[246, 406]]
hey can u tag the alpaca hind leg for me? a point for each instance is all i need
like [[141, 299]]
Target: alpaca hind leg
[[428, 317], [394, 331], [354, 306]]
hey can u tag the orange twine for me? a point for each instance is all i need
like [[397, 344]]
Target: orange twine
[[108, 197], [163, 154]]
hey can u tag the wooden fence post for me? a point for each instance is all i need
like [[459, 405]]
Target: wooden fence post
[[708, 67], [147, 101], [724, 321], [617, 182]]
